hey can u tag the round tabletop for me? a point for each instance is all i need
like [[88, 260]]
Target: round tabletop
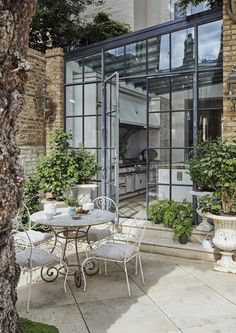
[[62, 219]]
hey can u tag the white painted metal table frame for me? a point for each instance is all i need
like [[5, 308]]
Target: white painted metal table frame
[[67, 228]]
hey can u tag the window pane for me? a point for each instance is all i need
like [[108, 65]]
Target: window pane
[[209, 124], [159, 136], [158, 54], [74, 100], [159, 94], [210, 90], [92, 67], [74, 71], [179, 193], [136, 58], [92, 98], [114, 61], [182, 124], [180, 157], [182, 92], [92, 131], [182, 49], [210, 44], [75, 125]]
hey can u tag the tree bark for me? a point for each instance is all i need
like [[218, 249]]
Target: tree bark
[[16, 17]]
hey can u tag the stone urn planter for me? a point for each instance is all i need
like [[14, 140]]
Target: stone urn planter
[[83, 192], [225, 240], [204, 225]]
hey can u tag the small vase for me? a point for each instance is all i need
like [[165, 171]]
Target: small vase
[[183, 239], [71, 210]]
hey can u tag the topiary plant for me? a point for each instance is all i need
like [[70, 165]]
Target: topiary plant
[[58, 170], [86, 163]]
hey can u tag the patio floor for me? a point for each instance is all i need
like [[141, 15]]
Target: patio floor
[[180, 295]]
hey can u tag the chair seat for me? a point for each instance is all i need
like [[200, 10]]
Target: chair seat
[[35, 236], [113, 251], [39, 258]]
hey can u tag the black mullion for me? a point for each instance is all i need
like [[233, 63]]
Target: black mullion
[[147, 141], [170, 147]]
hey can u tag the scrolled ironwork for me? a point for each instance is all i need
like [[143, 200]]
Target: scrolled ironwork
[[49, 274], [231, 10]]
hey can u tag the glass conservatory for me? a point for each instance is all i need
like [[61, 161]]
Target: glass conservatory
[[142, 100]]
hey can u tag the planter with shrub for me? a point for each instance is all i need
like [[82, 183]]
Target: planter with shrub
[[173, 214], [221, 205]]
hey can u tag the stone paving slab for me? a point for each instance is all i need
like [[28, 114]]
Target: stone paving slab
[[125, 315], [180, 295]]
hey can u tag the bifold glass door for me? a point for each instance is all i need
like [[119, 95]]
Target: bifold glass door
[[110, 137], [169, 137]]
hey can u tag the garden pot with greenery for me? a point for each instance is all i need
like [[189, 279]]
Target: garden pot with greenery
[[58, 170], [204, 159], [173, 214], [182, 230], [71, 203], [221, 205]]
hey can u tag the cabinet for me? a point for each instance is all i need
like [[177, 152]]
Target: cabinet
[[140, 181]]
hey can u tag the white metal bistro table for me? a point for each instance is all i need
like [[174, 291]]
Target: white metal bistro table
[[67, 228]]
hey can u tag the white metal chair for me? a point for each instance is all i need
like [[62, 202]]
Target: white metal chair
[[121, 248], [105, 203], [30, 257]]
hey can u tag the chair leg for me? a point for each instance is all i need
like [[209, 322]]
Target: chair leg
[[82, 270], [127, 279], [136, 265], [141, 268], [29, 294], [105, 265]]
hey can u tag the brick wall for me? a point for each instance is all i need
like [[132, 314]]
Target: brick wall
[[229, 59], [55, 89], [43, 110]]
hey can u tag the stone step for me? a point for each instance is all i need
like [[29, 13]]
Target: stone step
[[159, 239]]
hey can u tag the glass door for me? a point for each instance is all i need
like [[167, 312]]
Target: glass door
[[169, 137], [110, 137]]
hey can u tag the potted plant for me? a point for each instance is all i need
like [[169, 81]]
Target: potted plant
[[71, 203], [204, 159], [87, 169], [157, 210], [58, 170], [182, 230], [221, 206], [173, 214]]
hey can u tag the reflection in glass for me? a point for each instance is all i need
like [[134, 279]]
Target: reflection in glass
[[159, 136], [159, 94], [180, 157], [158, 54], [210, 51], [75, 125], [209, 124], [74, 100], [182, 129], [210, 90], [114, 61], [182, 92], [92, 98], [135, 60], [92, 132], [74, 71], [182, 48], [92, 67]]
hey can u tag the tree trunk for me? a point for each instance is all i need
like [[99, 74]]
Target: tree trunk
[[14, 29]]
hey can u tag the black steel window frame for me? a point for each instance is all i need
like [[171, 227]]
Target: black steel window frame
[[144, 35]]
